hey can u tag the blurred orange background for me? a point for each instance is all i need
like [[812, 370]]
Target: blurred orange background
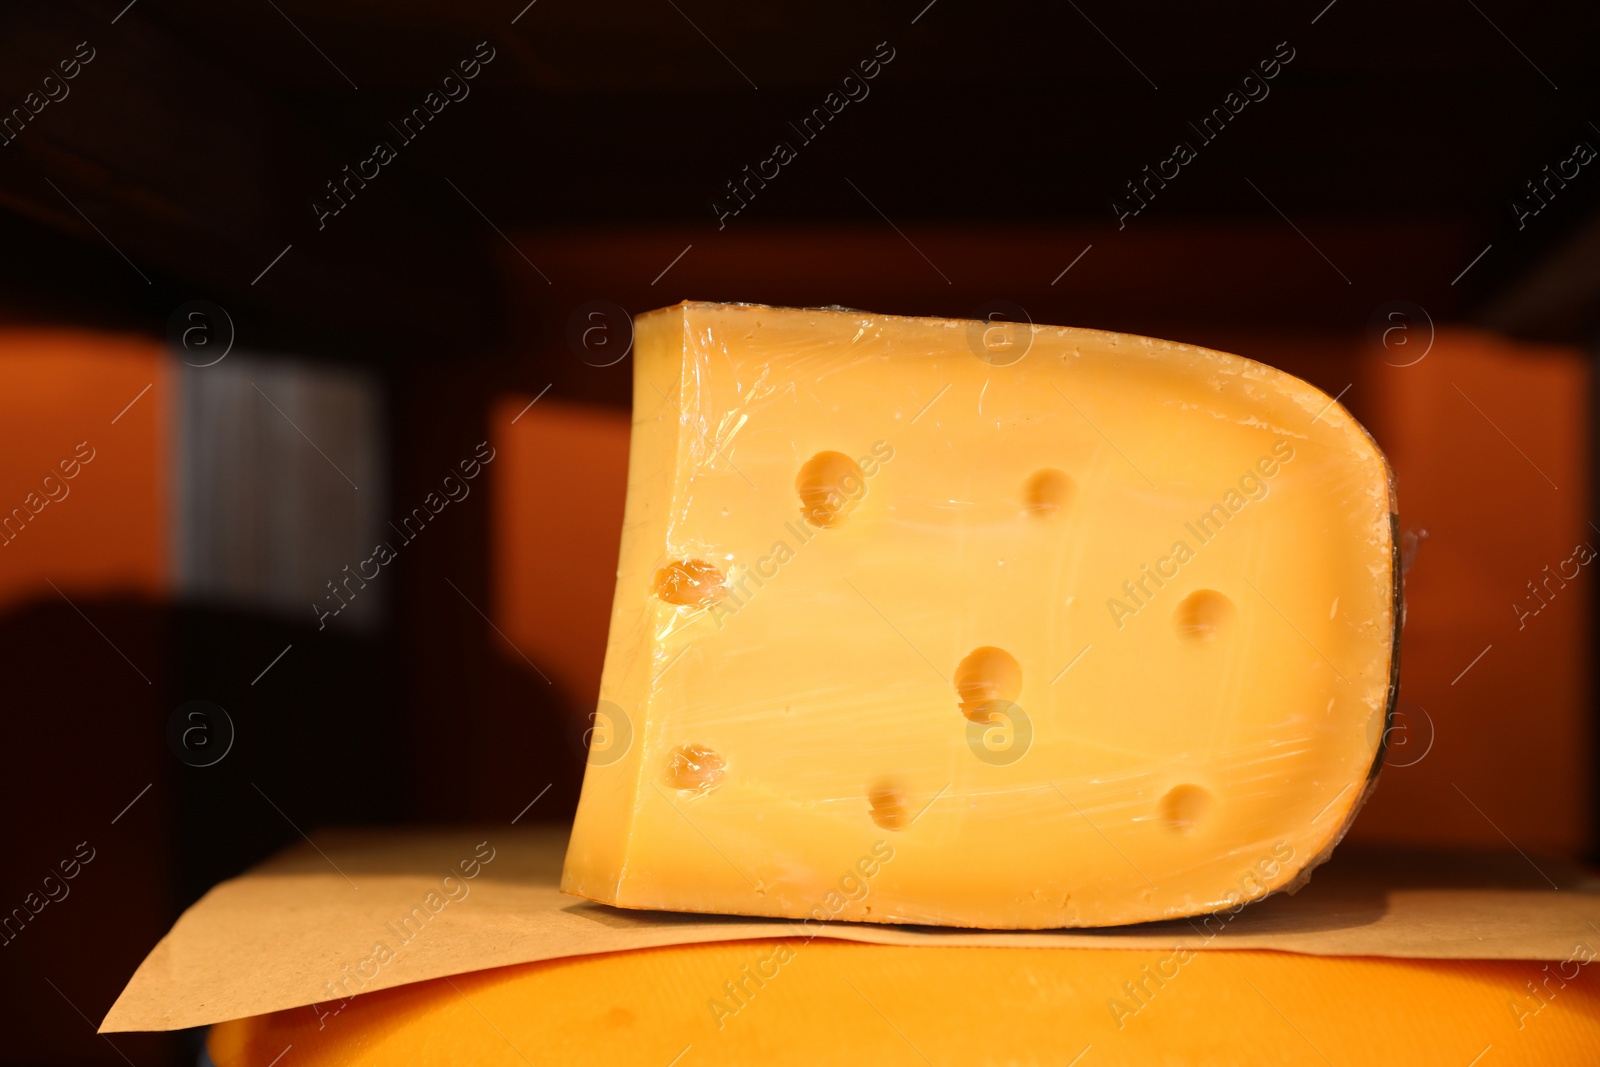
[[1493, 708]]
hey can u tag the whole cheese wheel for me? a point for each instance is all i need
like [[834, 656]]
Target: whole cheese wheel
[[802, 1003]]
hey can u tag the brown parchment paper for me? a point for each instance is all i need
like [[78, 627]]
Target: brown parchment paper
[[307, 925]]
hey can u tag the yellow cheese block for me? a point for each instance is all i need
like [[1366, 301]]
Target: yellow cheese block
[[926, 621], [793, 1002]]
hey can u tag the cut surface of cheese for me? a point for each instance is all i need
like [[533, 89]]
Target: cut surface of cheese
[[798, 1002], [973, 624]]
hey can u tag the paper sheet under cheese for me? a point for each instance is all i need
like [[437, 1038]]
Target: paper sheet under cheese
[[277, 936]]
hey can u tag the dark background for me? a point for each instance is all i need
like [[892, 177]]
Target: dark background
[[1387, 157]]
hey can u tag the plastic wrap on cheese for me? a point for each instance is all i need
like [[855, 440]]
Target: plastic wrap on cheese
[[971, 624]]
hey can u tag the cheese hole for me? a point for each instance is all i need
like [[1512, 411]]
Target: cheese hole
[[988, 678], [695, 768], [1184, 806], [1047, 492], [830, 486], [689, 583], [1203, 615], [888, 807]]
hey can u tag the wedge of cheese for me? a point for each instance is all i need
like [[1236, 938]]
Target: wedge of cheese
[[973, 624]]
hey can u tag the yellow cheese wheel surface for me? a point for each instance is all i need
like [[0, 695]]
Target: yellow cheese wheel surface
[[803, 1003]]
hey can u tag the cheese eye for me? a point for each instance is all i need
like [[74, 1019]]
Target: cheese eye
[[1047, 492], [695, 768], [830, 486], [888, 807], [690, 583], [1203, 615], [1183, 807], [988, 677]]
